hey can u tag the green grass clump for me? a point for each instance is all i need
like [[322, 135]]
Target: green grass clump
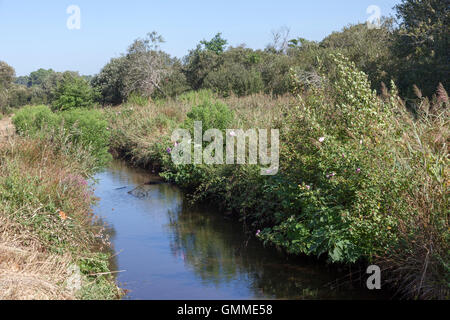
[[83, 127]]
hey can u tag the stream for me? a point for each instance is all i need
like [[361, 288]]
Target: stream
[[169, 250]]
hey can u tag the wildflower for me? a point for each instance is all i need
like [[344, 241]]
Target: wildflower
[[62, 215], [233, 134], [343, 156], [258, 233], [176, 144], [169, 150], [360, 142], [358, 170], [308, 187], [321, 139], [331, 175]]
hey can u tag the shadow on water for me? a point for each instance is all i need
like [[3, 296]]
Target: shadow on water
[[170, 250]]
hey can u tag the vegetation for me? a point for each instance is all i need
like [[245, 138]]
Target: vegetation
[[47, 231], [363, 162], [360, 178], [82, 127]]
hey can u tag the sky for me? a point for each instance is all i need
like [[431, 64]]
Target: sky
[[34, 34]]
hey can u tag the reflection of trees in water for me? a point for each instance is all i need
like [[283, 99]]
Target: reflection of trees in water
[[218, 252]]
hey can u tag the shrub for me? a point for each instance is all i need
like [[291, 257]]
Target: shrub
[[82, 127], [88, 129], [212, 114], [32, 119], [110, 82], [234, 79], [73, 92]]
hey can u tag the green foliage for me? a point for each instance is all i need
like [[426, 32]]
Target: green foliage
[[368, 48], [32, 119], [174, 84], [39, 77], [192, 98], [83, 127], [110, 82], [197, 66], [88, 129], [7, 74], [233, 79], [73, 92], [212, 114], [137, 99], [421, 45], [275, 73], [216, 44]]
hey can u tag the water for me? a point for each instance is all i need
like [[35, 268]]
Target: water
[[169, 250]]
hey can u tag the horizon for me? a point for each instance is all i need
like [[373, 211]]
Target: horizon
[[36, 36]]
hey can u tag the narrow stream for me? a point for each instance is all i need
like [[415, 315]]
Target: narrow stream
[[169, 250]]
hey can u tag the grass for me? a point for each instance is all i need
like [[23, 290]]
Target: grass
[[47, 229]]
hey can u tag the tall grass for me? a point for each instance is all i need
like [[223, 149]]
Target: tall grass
[[47, 229]]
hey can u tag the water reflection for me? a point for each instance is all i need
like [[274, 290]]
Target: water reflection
[[173, 251]]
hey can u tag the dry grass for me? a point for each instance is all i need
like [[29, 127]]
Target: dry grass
[[46, 223], [27, 272], [6, 128]]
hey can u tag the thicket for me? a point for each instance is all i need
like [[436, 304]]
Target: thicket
[[359, 178], [82, 127]]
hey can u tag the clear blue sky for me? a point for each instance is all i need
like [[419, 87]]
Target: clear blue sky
[[33, 34]]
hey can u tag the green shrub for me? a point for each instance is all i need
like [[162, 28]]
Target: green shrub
[[212, 114], [197, 97], [73, 92], [83, 127], [234, 79], [32, 119], [87, 128]]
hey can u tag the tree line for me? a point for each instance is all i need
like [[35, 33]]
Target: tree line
[[412, 49]]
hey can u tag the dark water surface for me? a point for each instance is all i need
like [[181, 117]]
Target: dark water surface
[[170, 250]]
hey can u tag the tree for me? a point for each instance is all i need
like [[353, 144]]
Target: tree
[[422, 44], [198, 64], [216, 44], [147, 66], [38, 77], [280, 40], [7, 75], [368, 48], [73, 92], [110, 82]]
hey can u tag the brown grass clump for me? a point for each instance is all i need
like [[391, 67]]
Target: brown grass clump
[[27, 272]]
